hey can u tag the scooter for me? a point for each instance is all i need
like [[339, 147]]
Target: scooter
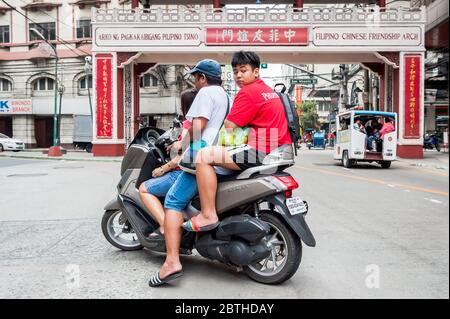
[[431, 141], [261, 225]]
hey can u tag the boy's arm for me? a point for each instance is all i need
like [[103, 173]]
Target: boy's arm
[[242, 112]]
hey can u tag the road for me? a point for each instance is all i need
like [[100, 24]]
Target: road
[[380, 234]]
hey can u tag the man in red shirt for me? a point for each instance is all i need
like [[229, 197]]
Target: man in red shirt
[[256, 106]]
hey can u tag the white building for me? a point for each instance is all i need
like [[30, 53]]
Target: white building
[[27, 70]]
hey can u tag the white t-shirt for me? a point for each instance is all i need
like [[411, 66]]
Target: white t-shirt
[[211, 103]]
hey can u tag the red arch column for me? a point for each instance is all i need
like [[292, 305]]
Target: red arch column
[[409, 104], [108, 111]]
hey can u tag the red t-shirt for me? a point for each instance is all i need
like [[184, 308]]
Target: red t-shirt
[[260, 108]]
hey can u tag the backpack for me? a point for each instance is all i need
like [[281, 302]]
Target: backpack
[[291, 115]]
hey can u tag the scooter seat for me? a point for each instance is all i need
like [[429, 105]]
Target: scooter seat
[[279, 159]]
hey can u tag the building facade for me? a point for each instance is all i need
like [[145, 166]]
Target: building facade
[[28, 66]]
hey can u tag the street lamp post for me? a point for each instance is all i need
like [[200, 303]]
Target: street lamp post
[[61, 92], [55, 150], [88, 70]]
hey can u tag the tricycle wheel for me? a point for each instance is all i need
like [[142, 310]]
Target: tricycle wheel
[[346, 161], [385, 164]]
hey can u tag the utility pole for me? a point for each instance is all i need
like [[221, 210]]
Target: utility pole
[[366, 92], [55, 150], [343, 94]]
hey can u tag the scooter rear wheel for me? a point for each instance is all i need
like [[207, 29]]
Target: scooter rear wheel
[[285, 256], [119, 232]]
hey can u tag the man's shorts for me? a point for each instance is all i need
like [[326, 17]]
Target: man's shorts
[[159, 186], [246, 156], [181, 192]]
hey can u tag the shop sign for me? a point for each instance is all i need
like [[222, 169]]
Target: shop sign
[[16, 106]]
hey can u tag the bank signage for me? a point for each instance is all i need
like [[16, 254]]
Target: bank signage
[[284, 36], [367, 36], [146, 37], [16, 106]]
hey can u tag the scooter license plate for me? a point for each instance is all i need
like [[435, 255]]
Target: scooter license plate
[[296, 205]]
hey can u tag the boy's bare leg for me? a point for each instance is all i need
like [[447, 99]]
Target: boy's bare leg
[[207, 158]]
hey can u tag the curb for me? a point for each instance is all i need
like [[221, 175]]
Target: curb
[[425, 165]]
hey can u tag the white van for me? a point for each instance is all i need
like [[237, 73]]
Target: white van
[[353, 145]]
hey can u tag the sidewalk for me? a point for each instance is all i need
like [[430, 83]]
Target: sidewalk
[[72, 155], [431, 159]]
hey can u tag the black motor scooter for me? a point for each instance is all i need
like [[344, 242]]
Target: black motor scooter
[[261, 224]]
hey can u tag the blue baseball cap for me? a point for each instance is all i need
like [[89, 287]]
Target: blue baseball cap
[[208, 67]]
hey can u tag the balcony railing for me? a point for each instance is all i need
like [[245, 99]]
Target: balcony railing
[[365, 15]]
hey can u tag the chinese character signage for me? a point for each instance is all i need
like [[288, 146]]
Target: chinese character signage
[[257, 36], [412, 96], [104, 97]]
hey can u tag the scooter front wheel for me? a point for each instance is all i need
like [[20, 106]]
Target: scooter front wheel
[[119, 232], [285, 255]]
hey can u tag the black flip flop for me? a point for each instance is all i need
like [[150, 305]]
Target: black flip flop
[[156, 281], [156, 235]]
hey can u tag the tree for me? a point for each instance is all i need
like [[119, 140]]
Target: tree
[[309, 116]]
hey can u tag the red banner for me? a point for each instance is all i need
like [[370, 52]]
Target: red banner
[[298, 94], [413, 100], [104, 97], [257, 36]]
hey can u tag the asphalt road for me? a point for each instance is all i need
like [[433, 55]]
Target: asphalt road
[[380, 234]]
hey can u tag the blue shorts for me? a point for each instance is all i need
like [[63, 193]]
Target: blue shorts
[[159, 186], [182, 192]]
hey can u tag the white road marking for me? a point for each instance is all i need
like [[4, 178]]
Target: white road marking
[[433, 200]]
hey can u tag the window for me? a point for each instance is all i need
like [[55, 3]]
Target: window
[[44, 84], [85, 82], [46, 29], [83, 29], [5, 85], [149, 80], [4, 33]]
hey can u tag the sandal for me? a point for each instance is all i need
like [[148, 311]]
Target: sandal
[[156, 234], [192, 226], [156, 280]]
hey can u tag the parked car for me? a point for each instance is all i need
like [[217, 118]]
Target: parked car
[[10, 144]]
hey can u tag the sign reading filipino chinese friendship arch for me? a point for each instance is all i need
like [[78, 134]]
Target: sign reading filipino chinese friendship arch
[[104, 95]]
